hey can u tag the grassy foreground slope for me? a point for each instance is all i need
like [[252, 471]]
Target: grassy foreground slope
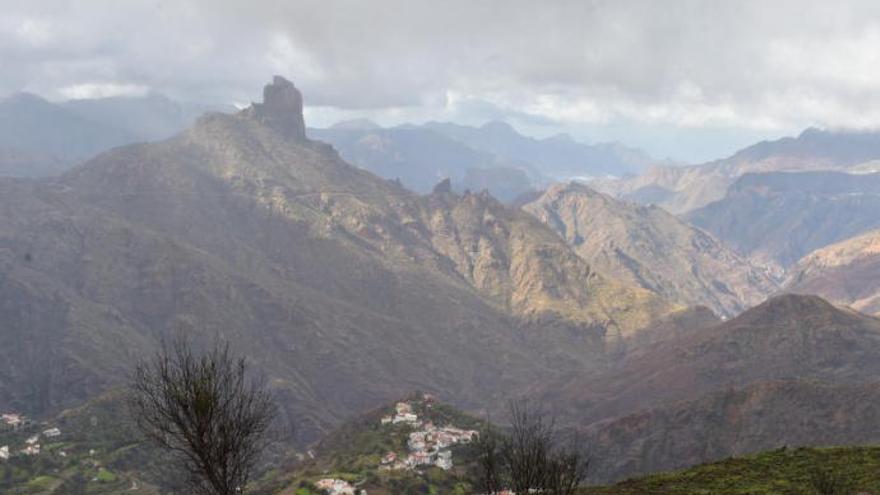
[[782, 471]]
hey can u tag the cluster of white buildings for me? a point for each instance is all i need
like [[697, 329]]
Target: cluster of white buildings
[[404, 415], [428, 445], [32, 444], [337, 487], [13, 421]]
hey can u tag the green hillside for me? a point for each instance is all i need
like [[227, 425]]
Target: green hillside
[[355, 452], [782, 471], [96, 453]]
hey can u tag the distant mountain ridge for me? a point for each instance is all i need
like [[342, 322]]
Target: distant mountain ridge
[[43, 138], [493, 156], [684, 189], [559, 157], [777, 218], [47, 135]]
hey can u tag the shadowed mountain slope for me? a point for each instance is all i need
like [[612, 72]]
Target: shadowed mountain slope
[[777, 218], [708, 394]]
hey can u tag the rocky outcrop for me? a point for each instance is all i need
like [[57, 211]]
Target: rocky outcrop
[[282, 109], [443, 187]]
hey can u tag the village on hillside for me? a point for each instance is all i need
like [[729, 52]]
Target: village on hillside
[[22, 425], [428, 445]]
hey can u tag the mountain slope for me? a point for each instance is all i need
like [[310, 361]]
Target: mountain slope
[[787, 337], [777, 218], [734, 422], [649, 247], [847, 272], [16, 162], [670, 403], [333, 281]]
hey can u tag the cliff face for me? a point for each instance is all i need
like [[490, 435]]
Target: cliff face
[[527, 268], [282, 109], [648, 247]]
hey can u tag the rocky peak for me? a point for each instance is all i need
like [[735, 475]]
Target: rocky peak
[[282, 109], [443, 187]]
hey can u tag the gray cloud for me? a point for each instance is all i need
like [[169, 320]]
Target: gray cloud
[[753, 65]]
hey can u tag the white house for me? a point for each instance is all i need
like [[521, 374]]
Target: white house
[[406, 418], [52, 433], [334, 486], [14, 421], [444, 460]]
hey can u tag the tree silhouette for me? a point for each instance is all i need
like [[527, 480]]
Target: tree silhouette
[[206, 410]]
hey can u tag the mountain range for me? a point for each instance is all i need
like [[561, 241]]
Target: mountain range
[[661, 338], [777, 218], [493, 156], [345, 288], [681, 189]]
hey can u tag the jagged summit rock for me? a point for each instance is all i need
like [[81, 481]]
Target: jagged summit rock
[[282, 109], [444, 186]]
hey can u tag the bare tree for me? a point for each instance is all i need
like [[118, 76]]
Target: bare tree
[[488, 469], [529, 458], [566, 469], [526, 450], [206, 410]]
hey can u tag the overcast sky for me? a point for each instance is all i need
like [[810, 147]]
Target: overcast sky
[[691, 80]]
